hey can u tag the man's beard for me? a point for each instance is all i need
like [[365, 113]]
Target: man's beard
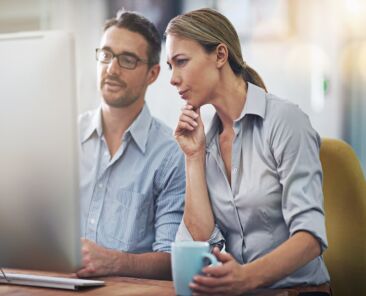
[[124, 101]]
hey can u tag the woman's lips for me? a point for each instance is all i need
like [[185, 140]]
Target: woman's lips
[[183, 94]]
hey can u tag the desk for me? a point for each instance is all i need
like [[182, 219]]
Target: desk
[[117, 286]]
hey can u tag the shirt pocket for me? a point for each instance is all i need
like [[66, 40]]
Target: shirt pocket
[[127, 219]]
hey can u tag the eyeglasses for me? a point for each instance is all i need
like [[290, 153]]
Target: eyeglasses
[[125, 60]]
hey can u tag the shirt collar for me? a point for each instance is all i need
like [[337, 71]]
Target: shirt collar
[[139, 128], [255, 104], [95, 125]]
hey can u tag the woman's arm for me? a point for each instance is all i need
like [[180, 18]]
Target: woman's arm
[[231, 278], [294, 253], [198, 216]]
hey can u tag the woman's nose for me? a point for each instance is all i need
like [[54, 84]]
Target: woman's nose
[[175, 80]]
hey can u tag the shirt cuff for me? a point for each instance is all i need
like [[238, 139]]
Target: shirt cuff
[[216, 238], [312, 222]]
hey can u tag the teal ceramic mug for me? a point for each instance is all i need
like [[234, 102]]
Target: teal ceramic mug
[[188, 259]]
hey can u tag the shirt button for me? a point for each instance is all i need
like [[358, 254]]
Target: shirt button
[[92, 221], [100, 185], [235, 170]]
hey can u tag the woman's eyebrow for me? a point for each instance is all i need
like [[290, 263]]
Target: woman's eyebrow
[[174, 57]]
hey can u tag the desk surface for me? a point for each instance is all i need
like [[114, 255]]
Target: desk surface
[[116, 286]]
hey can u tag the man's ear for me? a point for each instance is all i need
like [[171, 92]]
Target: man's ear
[[153, 73], [222, 55]]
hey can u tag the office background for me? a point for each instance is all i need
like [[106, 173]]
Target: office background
[[311, 52]]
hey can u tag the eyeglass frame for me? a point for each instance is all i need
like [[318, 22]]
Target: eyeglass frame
[[138, 59]]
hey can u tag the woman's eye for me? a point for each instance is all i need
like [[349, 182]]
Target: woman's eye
[[181, 62]]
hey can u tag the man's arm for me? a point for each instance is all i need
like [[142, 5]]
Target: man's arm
[[99, 261], [169, 201]]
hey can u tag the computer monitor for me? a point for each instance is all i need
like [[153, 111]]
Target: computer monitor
[[39, 175]]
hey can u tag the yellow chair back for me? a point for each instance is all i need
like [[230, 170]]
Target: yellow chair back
[[344, 189]]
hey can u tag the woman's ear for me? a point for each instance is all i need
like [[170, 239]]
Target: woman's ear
[[222, 55]]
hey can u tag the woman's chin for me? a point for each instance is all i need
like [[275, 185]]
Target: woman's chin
[[192, 103]]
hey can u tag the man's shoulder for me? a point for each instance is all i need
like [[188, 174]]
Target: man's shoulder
[[87, 116], [159, 128], [86, 123], [162, 135]]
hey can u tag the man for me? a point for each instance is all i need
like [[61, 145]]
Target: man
[[132, 171]]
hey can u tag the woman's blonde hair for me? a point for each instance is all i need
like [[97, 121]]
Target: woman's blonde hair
[[210, 28]]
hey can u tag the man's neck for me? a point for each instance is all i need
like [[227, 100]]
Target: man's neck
[[116, 121]]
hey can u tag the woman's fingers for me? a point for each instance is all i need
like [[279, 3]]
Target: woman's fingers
[[182, 125], [187, 107], [190, 113], [188, 119]]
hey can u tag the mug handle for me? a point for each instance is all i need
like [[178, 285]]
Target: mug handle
[[211, 258]]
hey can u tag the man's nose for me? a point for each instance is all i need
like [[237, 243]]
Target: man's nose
[[113, 66]]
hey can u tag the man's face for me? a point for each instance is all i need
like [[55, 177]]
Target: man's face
[[122, 87]]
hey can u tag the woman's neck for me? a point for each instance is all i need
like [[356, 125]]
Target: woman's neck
[[230, 98]]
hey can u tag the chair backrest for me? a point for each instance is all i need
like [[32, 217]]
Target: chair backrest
[[344, 189]]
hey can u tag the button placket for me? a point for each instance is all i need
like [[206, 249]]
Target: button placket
[[235, 159]]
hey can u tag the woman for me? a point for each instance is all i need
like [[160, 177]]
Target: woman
[[255, 180]]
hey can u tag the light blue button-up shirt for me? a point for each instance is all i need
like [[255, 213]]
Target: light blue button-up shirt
[[276, 184], [134, 201]]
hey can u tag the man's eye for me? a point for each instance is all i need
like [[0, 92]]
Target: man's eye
[[128, 59], [105, 56]]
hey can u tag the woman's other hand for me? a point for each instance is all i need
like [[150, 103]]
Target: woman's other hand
[[190, 132], [230, 278]]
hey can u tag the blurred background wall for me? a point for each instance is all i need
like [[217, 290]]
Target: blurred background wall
[[312, 52]]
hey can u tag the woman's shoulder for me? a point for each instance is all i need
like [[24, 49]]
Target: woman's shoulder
[[285, 121], [282, 111]]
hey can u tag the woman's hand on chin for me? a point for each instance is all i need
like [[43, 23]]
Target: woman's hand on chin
[[190, 133]]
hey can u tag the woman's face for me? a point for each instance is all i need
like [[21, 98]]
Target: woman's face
[[194, 72]]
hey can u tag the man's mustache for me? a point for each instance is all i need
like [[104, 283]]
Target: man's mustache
[[115, 79]]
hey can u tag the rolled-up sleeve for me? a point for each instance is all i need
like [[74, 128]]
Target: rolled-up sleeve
[[296, 149], [216, 238], [170, 199]]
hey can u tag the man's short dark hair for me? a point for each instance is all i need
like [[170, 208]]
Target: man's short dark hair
[[135, 22]]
